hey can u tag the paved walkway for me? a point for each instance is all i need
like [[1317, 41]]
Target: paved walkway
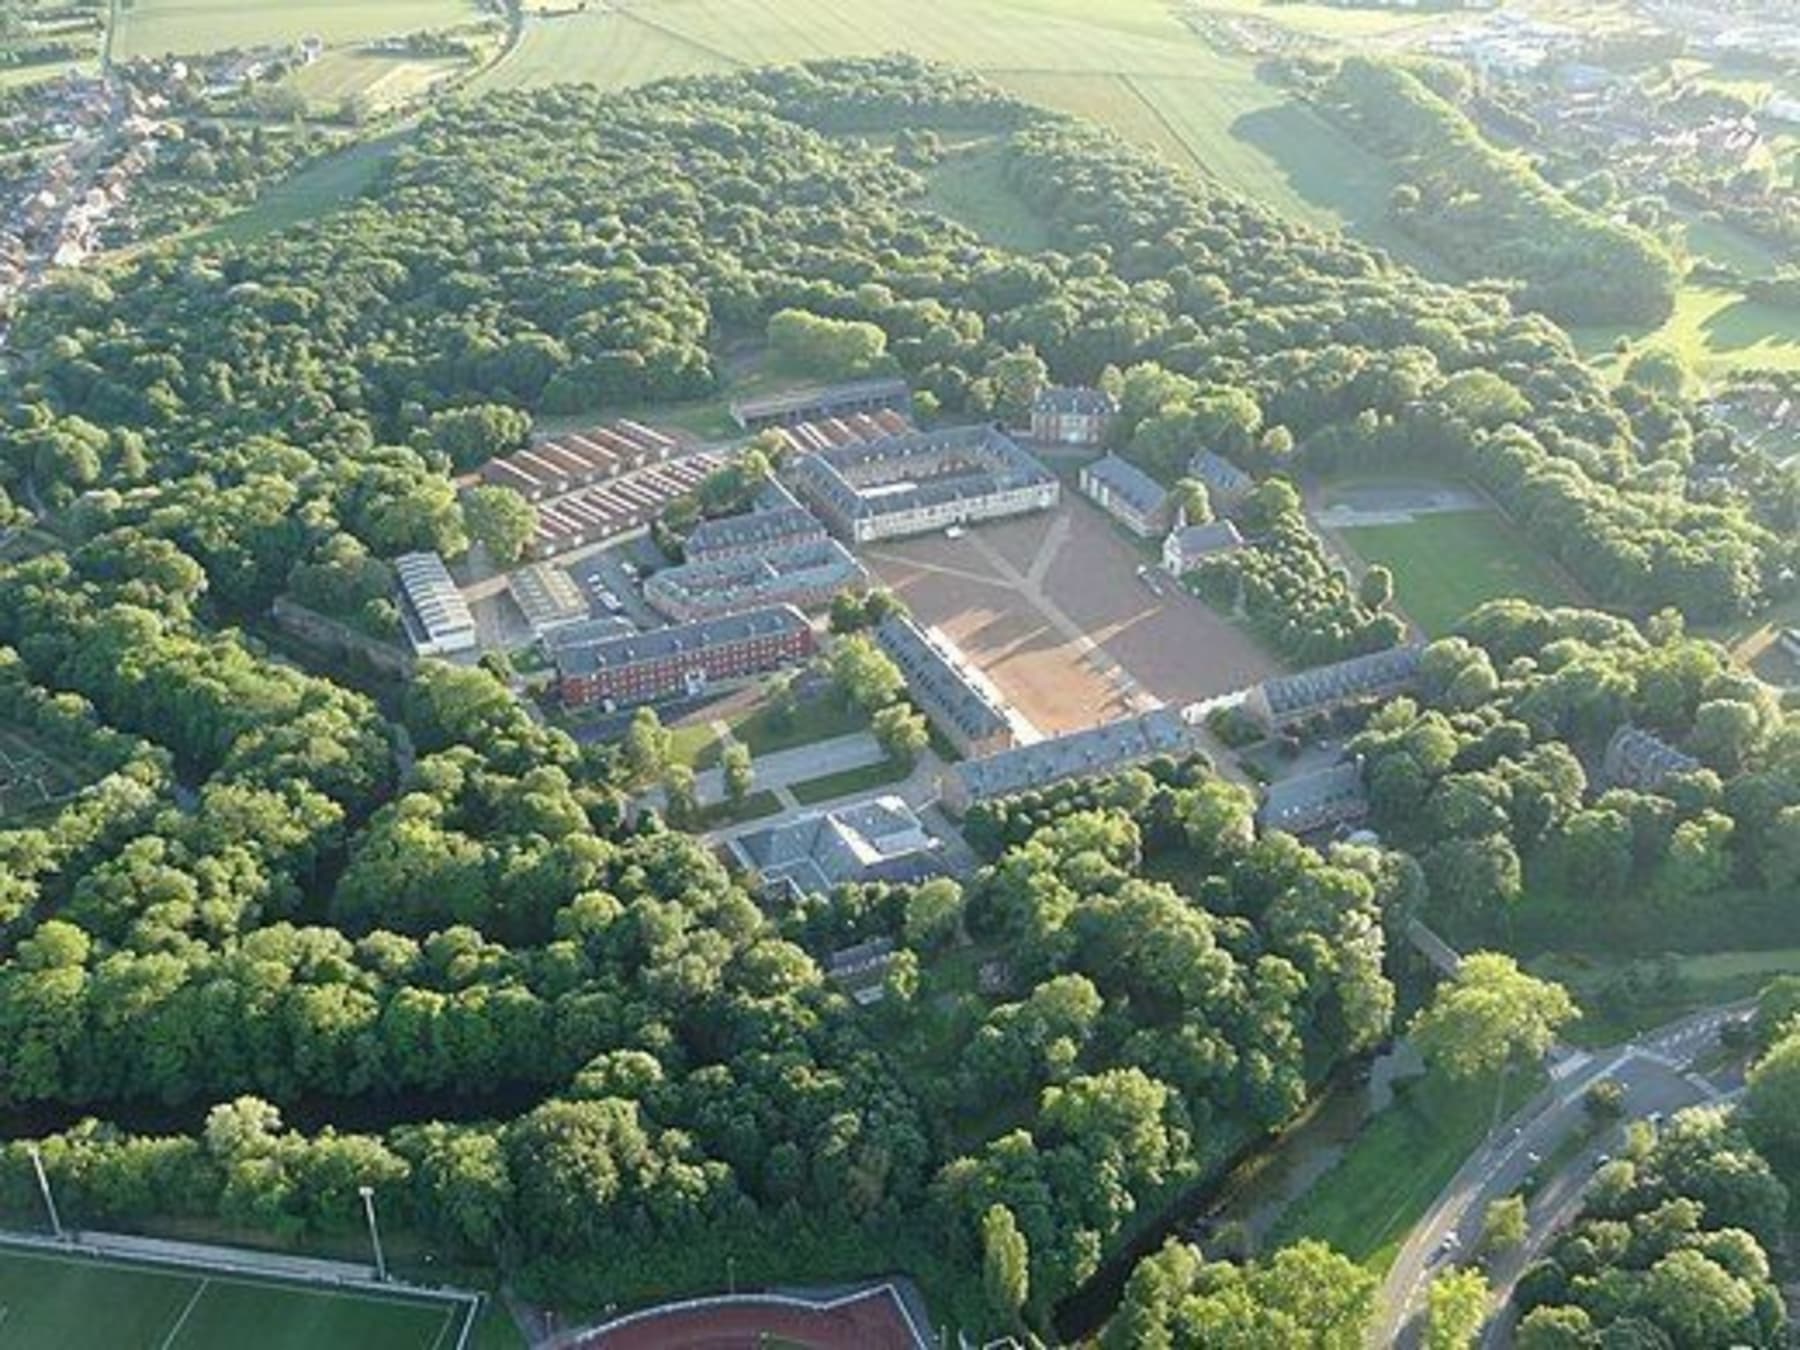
[[919, 789], [779, 770]]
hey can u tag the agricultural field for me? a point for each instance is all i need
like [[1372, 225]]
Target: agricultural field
[[1446, 563], [1136, 69], [156, 27], [85, 1304], [377, 80]]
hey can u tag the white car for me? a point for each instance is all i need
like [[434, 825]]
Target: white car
[[955, 532]]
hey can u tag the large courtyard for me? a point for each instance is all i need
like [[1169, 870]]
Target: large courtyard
[[1052, 608]]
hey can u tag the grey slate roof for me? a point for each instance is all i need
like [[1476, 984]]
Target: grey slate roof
[[879, 839], [752, 579], [942, 680], [1310, 801], [584, 658], [1324, 686], [1196, 541], [1637, 758], [1074, 398], [1095, 750], [1129, 483], [822, 399], [1221, 477], [776, 528], [866, 479]]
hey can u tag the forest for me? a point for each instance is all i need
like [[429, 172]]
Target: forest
[[277, 889]]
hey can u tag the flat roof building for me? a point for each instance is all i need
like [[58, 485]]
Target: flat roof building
[[1095, 750], [436, 617], [946, 690], [681, 661], [923, 481], [812, 404], [1127, 493], [547, 596]]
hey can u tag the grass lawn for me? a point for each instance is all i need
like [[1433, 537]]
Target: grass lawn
[[1715, 328], [815, 790], [1447, 563], [1700, 982], [1368, 1203], [763, 731], [82, 1304], [159, 27], [382, 80], [968, 187], [754, 807], [319, 187]]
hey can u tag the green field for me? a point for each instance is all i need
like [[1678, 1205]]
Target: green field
[[1447, 563], [379, 81], [968, 186], [1367, 1204], [1130, 65], [83, 1304], [325, 183], [1715, 328], [1698, 982], [156, 27], [834, 785]]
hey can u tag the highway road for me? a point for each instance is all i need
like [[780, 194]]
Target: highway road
[[1654, 1069]]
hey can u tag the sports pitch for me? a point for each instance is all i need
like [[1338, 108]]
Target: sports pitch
[[1448, 562], [53, 1302]]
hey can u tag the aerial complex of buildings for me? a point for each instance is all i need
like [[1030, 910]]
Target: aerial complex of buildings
[[1071, 415], [880, 839], [1287, 700], [682, 661], [1126, 493], [825, 432], [958, 701], [923, 481], [561, 464], [436, 617], [1090, 751], [806, 574], [812, 405]]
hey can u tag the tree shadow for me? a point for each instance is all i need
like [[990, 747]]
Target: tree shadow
[[1328, 170]]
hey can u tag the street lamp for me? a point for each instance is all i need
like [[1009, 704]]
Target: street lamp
[[43, 1181], [368, 1198]]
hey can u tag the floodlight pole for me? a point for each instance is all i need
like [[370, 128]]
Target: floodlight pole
[[368, 1198], [43, 1181]]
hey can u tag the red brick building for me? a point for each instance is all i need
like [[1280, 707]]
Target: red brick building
[[684, 660]]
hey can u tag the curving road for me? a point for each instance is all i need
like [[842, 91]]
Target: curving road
[[1654, 1069]]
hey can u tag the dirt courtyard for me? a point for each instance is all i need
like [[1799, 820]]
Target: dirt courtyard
[[1051, 608]]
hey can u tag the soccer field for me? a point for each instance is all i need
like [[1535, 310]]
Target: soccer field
[[53, 1302], [1447, 563]]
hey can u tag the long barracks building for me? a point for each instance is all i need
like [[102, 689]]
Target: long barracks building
[[682, 661], [923, 481]]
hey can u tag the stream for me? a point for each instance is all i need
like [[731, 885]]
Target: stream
[[1265, 1180]]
